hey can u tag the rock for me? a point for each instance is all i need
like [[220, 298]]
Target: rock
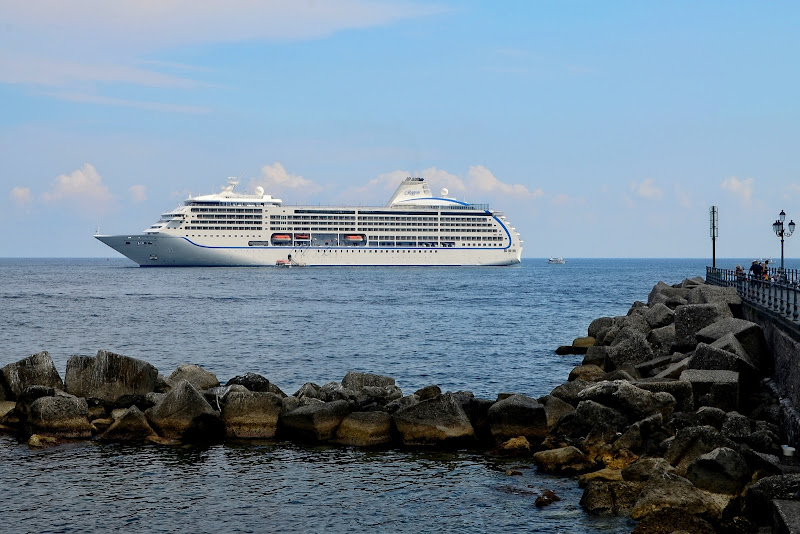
[[596, 355], [37, 369], [722, 470], [428, 392], [334, 391], [515, 446], [308, 390], [758, 498], [719, 389], [675, 493], [567, 350], [517, 415], [724, 297], [692, 318], [130, 426], [636, 438], [629, 346], [315, 422], [674, 371], [256, 383], [672, 520], [184, 414], [438, 421], [554, 409], [659, 315], [599, 324], [568, 391], [563, 461], [109, 376], [604, 475], [711, 358], [665, 290], [251, 414], [607, 498], [736, 426], [646, 368], [62, 416], [589, 373], [35, 441], [403, 402], [378, 395], [546, 498], [680, 390], [662, 339], [588, 415], [355, 380], [644, 469], [630, 400], [749, 335], [198, 377], [691, 442], [365, 429]]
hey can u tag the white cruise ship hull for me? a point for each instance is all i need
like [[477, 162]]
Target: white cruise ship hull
[[150, 250]]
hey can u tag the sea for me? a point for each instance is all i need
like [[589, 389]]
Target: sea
[[487, 330]]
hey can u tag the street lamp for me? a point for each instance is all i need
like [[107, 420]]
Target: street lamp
[[782, 232]]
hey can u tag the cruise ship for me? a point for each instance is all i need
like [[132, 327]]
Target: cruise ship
[[413, 228]]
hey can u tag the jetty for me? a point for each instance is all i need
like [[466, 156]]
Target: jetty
[[681, 414]]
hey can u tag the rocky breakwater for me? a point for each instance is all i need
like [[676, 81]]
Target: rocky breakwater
[[672, 420]]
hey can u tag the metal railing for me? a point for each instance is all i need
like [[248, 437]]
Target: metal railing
[[777, 293]]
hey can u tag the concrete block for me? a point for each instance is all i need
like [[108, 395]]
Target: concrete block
[[716, 388], [785, 516]]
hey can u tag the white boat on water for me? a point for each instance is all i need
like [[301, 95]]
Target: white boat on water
[[556, 260], [233, 229]]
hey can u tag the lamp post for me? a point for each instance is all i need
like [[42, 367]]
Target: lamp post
[[782, 232]]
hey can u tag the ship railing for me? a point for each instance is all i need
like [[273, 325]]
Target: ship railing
[[778, 293]]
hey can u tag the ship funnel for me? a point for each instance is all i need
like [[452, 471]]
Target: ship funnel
[[410, 190]]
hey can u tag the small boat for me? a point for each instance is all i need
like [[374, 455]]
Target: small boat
[[354, 238], [283, 263], [556, 261], [301, 236]]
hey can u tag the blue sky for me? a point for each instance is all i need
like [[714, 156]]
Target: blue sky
[[601, 129]]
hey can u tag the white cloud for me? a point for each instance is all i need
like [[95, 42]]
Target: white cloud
[[684, 198], [275, 178], [646, 189], [82, 187], [138, 193], [566, 200], [21, 195], [482, 178], [438, 179], [743, 189]]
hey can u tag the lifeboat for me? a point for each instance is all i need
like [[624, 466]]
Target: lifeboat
[[283, 263], [354, 238], [301, 236], [281, 237]]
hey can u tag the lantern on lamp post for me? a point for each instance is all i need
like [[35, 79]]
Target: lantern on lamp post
[[782, 231]]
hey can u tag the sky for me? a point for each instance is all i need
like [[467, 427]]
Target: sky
[[601, 129]]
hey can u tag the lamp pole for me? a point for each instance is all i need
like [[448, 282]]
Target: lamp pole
[[714, 231], [782, 232]]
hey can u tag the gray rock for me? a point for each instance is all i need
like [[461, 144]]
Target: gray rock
[[554, 409], [729, 343], [711, 416], [428, 392], [251, 414], [256, 383], [681, 391], [722, 470], [674, 370], [563, 461], [586, 417], [736, 426], [662, 339], [316, 421], [569, 391], [308, 390], [184, 414], [355, 380], [759, 496], [674, 493], [379, 395], [659, 362], [630, 400], [334, 391], [61, 416], [403, 402], [518, 415], [438, 421], [719, 389], [588, 373], [130, 426], [599, 324], [665, 291], [659, 315], [750, 336], [109, 376], [596, 355], [365, 429], [610, 498], [644, 469], [195, 375], [691, 442], [711, 358], [35, 370], [692, 318], [629, 346], [720, 296]]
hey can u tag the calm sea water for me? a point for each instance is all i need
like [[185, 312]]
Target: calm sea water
[[485, 330]]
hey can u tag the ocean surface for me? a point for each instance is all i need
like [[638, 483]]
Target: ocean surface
[[486, 330]]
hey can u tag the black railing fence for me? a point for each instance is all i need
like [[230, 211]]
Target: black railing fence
[[777, 292]]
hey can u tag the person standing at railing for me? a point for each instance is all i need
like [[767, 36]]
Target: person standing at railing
[[757, 273]]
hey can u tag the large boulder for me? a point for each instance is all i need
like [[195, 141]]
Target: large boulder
[[256, 383], [716, 388], [694, 441], [680, 390], [365, 429], [662, 291], [355, 381], [62, 416], [184, 414], [659, 315], [599, 324], [563, 461], [749, 335], [554, 409], [588, 416], [109, 376], [251, 414], [711, 358], [722, 470], [692, 318], [35, 370], [635, 403], [130, 426], [518, 415], [725, 297], [195, 375], [629, 346], [675, 493], [610, 497], [662, 339], [438, 421], [314, 422], [569, 391], [759, 496], [671, 520]]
